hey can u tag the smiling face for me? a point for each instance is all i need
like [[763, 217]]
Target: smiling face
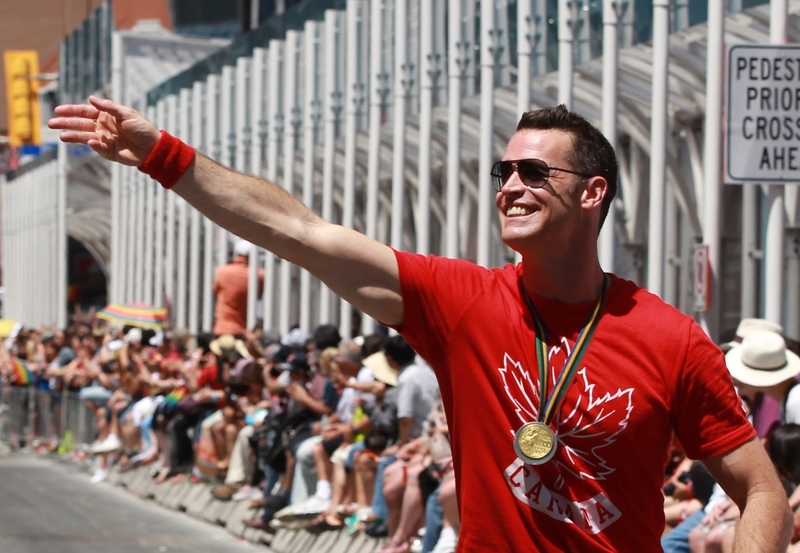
[[553, 212]]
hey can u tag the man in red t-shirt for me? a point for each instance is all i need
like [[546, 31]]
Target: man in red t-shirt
[[230, 291], [541, 463]]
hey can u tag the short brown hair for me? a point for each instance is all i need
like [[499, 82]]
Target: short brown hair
[[591, 152]]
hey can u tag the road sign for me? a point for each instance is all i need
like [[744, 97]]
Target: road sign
[[702, 274], [763, 114]]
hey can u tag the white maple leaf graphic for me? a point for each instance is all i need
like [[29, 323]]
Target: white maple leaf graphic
[[592, 420], [578, 431], [520, 385]]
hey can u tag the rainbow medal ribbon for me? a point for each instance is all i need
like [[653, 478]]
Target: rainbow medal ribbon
[[536, 442]]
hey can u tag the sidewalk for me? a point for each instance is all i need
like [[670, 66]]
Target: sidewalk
[[196, 500]]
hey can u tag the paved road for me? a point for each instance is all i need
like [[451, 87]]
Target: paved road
[[50, 507]]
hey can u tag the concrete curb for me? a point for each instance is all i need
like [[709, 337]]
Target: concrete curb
[[196, 500]]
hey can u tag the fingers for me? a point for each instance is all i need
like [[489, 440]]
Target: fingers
[[72, 123], [112, 108], [77, 110], [78, 137]]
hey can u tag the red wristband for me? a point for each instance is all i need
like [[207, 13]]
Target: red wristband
[[169, 160]]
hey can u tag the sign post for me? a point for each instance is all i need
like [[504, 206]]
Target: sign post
[[763, 114], [702, 274]]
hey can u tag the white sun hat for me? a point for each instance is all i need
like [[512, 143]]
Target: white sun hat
[[243, 247], [381, 369], [748, 326], [762, 360]]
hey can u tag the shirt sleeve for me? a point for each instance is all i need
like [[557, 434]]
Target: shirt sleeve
[[405, 399], [709, 417], [435, 292], [331, 397]]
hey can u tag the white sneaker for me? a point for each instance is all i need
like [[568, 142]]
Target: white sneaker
[[248, 493], [310, 507], [99, 475], [111, 443], [447, 541]]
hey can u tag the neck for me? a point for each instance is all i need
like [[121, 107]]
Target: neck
[[568, 279]]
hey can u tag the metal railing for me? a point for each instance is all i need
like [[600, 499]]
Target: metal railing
[[28, 416]]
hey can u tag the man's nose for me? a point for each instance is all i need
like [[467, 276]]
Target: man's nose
[[513, 184]]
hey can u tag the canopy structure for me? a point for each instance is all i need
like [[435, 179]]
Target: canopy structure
[[300, 112]]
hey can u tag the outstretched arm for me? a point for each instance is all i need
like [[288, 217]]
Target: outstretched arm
[[359, 269], [748, 477]]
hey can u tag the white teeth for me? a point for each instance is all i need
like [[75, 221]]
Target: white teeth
[[516, 210]]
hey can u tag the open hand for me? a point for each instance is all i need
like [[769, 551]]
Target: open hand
[[116, 132]]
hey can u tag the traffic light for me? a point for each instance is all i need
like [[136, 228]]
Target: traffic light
[[22, 97]]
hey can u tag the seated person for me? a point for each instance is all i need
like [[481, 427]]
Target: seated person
[[351, 490], [306, 401], [418, 391]]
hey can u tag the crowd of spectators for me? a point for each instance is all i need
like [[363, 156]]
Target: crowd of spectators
[[319, 432], [700, 517], [323, 433]]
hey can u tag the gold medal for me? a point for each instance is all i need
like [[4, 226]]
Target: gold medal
[[535, 443]]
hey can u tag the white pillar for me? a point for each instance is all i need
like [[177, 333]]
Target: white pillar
[[196, 220], [566, 25], [331, 108], [291, 109], [182, 257], [227, 148], [658, 147], [750, 250], [428, 66], [158, 222], [136, 264], [457, 59], [258, 68], [712, 163], [311, 116], [61, 296], [525, 31], [124, 228], [170, 239], [610, 107], [403, 74], [773, 277], [243, 121], [377, 91], [116, 265], [275, 120], [354, 97], [149, 224], [212, 144], [485, 148]]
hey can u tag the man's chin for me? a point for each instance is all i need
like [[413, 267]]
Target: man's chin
[[517, 241]]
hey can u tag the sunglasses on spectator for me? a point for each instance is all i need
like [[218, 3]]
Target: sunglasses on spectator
[[533, 173]]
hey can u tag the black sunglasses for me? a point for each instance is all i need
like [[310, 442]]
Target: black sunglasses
[[532, 172]]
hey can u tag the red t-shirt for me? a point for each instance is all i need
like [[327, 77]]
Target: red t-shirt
[[230, 289], [209, 377], [649, 371]]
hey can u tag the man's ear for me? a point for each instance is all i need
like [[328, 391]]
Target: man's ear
[[593, 193]]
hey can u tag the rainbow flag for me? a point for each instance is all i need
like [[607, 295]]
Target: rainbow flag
[[135, 314], [21, 375], [175, 396]]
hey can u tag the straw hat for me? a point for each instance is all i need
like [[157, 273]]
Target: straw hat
[[228, 342], [762, 360], [380, 368], [748, 326]]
